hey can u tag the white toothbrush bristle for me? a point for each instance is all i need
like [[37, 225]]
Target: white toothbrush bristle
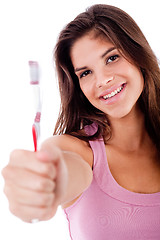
[[34, 72]]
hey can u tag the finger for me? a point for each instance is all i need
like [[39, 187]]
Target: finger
[[28, 197], [27, 213], [28, 160], [27, 179], [49, 151]]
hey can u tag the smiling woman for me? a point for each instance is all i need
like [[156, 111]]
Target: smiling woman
[[122, 33], [104, 167]]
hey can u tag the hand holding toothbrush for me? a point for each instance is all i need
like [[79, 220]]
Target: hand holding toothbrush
[[31, 184]]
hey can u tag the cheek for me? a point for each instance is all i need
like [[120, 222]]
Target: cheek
[[138, 80], [125, 70], [86, 89], [132, 74]]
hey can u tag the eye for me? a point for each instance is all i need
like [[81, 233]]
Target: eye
[[112, 58], [85, 73]]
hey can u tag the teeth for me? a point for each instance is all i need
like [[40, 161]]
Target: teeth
[[113, 93]]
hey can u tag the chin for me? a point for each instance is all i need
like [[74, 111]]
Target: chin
[[121, 113]]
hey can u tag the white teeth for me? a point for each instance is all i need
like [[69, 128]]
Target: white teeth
[[113, 93]]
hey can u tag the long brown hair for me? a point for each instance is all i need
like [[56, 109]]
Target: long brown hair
[[120, 29]]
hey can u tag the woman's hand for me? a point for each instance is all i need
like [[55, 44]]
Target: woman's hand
[[35, 183]]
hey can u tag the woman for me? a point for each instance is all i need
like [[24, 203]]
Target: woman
[[104, 168]]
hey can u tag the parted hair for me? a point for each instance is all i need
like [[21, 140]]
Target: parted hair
[[120, 29]]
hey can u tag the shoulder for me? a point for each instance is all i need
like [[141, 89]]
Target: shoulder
[[73, 144]]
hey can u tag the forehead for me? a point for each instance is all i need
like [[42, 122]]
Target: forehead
[[89, 46], [91, 38]]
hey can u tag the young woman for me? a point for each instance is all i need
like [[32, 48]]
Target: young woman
[[104, 167]]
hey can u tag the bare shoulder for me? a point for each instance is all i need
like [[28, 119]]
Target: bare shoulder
[[73, 144]]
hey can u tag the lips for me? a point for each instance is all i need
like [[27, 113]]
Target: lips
[[112, 91]]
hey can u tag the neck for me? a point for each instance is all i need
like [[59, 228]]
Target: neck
[[129, 133]]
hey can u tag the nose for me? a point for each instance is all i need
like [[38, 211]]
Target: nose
[[102, 81]]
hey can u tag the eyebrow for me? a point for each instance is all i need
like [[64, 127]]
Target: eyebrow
[[108, 51], [102, 56]]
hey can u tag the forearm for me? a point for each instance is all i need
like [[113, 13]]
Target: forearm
[[79, 176]]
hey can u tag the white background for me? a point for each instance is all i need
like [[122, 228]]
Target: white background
[[28, 31]]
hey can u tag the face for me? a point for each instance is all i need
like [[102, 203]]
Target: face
[[110, 82]]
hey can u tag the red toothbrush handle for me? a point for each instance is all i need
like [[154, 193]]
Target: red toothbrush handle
[[34, 133]]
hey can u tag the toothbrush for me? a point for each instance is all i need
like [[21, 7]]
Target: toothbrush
[[34, 81]]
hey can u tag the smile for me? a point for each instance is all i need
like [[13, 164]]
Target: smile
[[112, 94]]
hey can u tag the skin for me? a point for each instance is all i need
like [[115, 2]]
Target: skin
[[37, 183]]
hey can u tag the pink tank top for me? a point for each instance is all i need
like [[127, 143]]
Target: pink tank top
[[107, 211]]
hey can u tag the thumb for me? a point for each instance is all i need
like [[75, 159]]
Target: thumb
[[49, 154]]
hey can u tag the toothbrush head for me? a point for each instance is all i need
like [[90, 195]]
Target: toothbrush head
[[34, 72]]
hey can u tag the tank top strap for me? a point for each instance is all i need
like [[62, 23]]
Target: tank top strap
[[100, 165]]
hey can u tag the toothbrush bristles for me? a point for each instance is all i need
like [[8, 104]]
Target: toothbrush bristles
[[34, 72]]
